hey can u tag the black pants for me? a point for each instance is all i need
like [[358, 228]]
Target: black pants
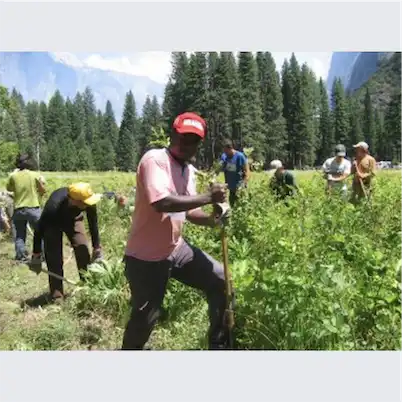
[[53, 244], [232, 197], [148, 281]]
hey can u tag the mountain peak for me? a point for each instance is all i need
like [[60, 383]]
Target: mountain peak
[[37, 75]]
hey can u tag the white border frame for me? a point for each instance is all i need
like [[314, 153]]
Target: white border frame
[[200, 376]]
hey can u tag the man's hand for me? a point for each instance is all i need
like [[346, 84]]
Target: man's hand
[[217, 192], [97, 254], [35, 264], [121, 200], [221, 213]]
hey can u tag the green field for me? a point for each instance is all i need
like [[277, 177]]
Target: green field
[[319, 274]]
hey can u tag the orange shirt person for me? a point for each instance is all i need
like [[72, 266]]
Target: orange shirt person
[[363, 171]]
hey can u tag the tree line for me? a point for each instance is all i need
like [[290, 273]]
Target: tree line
[[287, 115]]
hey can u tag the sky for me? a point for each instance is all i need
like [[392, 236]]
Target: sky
[[156, 65]]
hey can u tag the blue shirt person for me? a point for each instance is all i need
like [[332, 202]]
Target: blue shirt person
[[234, 164]]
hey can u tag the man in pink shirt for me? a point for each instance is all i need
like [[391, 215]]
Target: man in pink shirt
[[165, 198]]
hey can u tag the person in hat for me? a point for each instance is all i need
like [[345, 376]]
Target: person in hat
[[165, 198], [282, 183], [63, 213], [363, 170], [336, 170], [236, 169], [27, 187]]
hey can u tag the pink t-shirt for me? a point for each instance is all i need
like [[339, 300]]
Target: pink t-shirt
[[153, 235]]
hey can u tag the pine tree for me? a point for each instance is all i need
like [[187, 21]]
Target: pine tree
[[229, 92], [217, 112], [325, 132], [20, 122], [84, 155], [291, 105], [381, 138], [56, 119], [368, 123], [305, 136], [52, 158], [392, 124], [272, 107], [78, 118], [251, 127], [18, 98], [36, 130], [4, 107], [68, 156], [151, 118], [126, 155], [339, 114], [110, 129], [176, 97], [355, 126], [196, 83], [8, 128], [90, 114]]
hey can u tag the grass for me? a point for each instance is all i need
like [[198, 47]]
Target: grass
[[315, 275]]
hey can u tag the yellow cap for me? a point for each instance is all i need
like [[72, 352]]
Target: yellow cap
[[83, 192]]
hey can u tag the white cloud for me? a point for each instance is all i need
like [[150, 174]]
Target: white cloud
[[156, 65]]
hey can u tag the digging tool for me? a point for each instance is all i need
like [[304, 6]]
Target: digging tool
[[363, 188], [222, 211], [62, 278]]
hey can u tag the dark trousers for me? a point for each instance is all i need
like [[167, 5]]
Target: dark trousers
[[21, 218], [148, 281], [53, 244], [232, 197]]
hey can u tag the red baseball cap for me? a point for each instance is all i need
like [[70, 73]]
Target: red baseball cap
[[190, 123]]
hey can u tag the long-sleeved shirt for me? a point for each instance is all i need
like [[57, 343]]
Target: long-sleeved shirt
[[58, 213]]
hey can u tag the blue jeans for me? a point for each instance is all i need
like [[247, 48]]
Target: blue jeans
[[22, 217]]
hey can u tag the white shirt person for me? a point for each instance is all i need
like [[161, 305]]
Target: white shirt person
[[337, 169]]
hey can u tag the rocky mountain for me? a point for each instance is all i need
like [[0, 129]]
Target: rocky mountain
[[355, 68], [37, 75], [383, 83], [341, 67]]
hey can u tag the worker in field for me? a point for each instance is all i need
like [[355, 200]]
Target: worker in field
[[363, 170], [27, 187], [156, 251], [236, 169], [336, 170], [282, 183], [64, 213]]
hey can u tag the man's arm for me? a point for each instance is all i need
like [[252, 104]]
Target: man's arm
[[221, 166], [156, 184], [92, 216], [246, 169], [201, 218], [325, 169], [40, 186], [371, 171], [10, 184]]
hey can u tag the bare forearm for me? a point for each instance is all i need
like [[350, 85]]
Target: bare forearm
[[182, 203], [200, 218]]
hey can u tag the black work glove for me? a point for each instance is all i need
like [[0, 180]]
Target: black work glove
[[97, 255], [35, 265]]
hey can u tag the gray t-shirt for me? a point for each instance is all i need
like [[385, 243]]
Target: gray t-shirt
[[335, 169]]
